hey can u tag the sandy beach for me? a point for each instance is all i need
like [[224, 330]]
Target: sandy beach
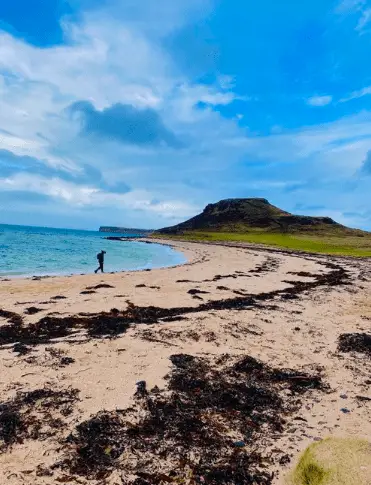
[[285, 310]]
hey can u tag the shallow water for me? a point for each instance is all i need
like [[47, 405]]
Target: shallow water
[[26, 250]]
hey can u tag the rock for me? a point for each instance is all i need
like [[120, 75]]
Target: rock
[[239, 444], [141, 389]]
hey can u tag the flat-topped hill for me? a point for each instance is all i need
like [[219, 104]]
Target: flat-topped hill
[[244, 215], [257, 221]]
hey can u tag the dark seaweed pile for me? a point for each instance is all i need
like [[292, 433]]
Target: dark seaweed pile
[[97, 287], [49, 328], [32, 310], [270, 264], [11, 317], [110, 324], [21, 349], [34, 415], [355, 342], [207, 425], [98, 443]]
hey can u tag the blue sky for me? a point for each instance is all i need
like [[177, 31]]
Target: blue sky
[[140, 112]]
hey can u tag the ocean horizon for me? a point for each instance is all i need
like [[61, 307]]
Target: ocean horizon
[[47, 251]]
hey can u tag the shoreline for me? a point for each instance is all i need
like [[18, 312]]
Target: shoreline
[[7, 277], [114, 330]]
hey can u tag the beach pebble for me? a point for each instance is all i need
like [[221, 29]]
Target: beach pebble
[[239, 444], [345, 410]]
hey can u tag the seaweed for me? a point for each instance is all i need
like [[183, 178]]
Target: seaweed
[[32, 310], [33, 415], [191, 429], [355, 342]]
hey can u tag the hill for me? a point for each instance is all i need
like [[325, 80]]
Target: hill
[[244, 215], [256, 221]]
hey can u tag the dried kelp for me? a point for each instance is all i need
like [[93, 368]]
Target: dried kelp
[[207, 425]]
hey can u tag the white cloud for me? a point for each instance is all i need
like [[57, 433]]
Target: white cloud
[[100, 64], [338, 148], [118, 56], [112, 56], [357, 94], [319, 100], [52, 187], [37, 148], [358, 7], [19, 146], [346, 6], [155, 19], [226, 82], [105, 61], [92, 197], [187, 96], [364, 20]]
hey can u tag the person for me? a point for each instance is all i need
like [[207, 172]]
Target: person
[[100, 258]]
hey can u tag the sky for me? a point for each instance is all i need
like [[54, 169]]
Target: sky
[[138, 113]]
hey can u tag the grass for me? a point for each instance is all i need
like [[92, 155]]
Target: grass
[[308, 471], [334, 243], [334, 461]]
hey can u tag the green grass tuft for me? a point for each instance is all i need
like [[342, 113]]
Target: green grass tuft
[[308, 472], [334, 461]]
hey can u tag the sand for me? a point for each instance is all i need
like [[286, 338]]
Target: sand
[[297, 333]]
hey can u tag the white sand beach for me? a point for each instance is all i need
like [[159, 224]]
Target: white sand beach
[[298, 332]]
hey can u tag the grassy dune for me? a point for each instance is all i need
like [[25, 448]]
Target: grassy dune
[[358, 245], [334, 461]]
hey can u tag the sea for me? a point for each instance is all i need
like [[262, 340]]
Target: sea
[[41, 251]]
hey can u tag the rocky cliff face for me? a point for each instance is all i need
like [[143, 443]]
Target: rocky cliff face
[[239, 215]]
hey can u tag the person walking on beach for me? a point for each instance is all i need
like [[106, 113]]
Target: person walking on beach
[[100, 258]]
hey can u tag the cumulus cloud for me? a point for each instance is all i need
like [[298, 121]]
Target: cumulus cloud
[[11, 164], [93, 197], [51, 186], [116, 159], [138, 108]]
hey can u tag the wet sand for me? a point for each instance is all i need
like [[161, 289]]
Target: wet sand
[[285, 310]]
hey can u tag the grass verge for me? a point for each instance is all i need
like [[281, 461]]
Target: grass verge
[[340, 245]]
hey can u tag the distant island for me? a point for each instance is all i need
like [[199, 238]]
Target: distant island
[[125, 230]]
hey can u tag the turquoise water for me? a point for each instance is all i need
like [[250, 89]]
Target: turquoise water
[[26, 251]]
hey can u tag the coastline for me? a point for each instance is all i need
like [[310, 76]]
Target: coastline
[[286, 310], [5, 277]]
